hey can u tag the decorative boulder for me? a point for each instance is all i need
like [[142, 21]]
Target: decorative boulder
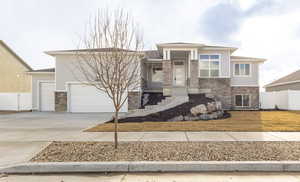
[[213, 115], [191, 118], [204, 117], [177, 118], [199, 109], [211, 107]]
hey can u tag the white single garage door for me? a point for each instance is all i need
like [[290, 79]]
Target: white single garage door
[[84, 98], [46, 97]]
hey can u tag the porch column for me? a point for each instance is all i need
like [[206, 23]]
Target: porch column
[[194, 80], [167, 77], [167, 72], [194, 72]]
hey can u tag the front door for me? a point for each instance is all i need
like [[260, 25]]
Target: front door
[[178, 73]]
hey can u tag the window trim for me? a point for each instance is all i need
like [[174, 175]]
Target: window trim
[[242, 100], [250, 70], [209, 60]]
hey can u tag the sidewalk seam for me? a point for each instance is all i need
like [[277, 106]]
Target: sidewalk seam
[[235, 139], [186, 135]]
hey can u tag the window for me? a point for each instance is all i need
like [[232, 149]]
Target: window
[[242, 100], [209, 65], [157, 73], [242, 69]]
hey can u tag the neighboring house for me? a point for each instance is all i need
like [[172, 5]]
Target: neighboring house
[[289, 82], [174, 69], [13, 77], [43, 83]]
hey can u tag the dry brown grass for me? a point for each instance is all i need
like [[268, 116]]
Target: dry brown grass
[[7, 112], [240, 121]]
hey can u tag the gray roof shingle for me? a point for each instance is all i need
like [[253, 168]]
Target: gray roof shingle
[[295, 76]]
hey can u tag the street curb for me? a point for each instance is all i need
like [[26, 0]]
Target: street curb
[[154, 166]]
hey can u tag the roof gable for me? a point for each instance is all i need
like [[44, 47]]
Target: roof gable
[[293, 77], [15, 55]]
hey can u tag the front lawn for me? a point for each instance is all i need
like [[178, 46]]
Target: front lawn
[[239, 121]]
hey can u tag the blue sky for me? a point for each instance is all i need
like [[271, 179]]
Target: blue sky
[[261, 28]]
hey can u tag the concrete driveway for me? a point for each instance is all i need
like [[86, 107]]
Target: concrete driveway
[[22, 135]]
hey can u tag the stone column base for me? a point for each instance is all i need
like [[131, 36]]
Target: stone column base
[[61, 102], [134, 100]]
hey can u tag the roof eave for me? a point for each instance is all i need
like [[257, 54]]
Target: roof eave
[[282, 83], [249, 60], [15, 55], [39, 72], [54, 53]]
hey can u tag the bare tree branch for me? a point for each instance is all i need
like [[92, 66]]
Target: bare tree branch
[[109, 57]]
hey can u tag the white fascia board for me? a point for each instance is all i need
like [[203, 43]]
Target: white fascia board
[[248, 60], [191, 45], [283, 83], [54, 53], [154, 60], [244, 85], [38, 73]]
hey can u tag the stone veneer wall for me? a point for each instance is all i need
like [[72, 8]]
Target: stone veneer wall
[[194, 70], [61, 102], [134, 100], [167, 77], [252, 91], [220, 88]]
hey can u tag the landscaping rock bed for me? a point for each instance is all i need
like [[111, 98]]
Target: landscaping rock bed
[[151, 98], [180, 113], [169, 151]]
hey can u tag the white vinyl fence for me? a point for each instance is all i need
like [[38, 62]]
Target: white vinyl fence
[[287, 100], [15, 101]]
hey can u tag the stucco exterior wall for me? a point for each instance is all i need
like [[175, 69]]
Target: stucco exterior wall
[[252, 80], [65, 67], [35, 79], [13, 76], [291, 86], [67, 70]]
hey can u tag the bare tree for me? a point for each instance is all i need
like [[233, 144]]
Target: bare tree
[[109, 57]]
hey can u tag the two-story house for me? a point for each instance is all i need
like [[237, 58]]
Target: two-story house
[[174, 69]]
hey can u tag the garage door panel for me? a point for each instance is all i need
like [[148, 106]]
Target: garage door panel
[[47, 100], [85, 98]]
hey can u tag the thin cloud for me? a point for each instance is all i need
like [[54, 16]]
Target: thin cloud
[[223, 20]]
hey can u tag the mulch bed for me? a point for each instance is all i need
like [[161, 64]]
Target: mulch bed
[[182, 109], [169, 151]]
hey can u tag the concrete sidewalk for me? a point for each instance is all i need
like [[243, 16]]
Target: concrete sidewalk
[[48, 136]]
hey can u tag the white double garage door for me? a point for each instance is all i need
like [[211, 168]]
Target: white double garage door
[[81, 98]]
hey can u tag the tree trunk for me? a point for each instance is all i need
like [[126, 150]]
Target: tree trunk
[[116, 129]]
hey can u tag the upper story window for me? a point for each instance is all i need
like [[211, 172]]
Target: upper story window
[[242, 69], [209, 65]]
